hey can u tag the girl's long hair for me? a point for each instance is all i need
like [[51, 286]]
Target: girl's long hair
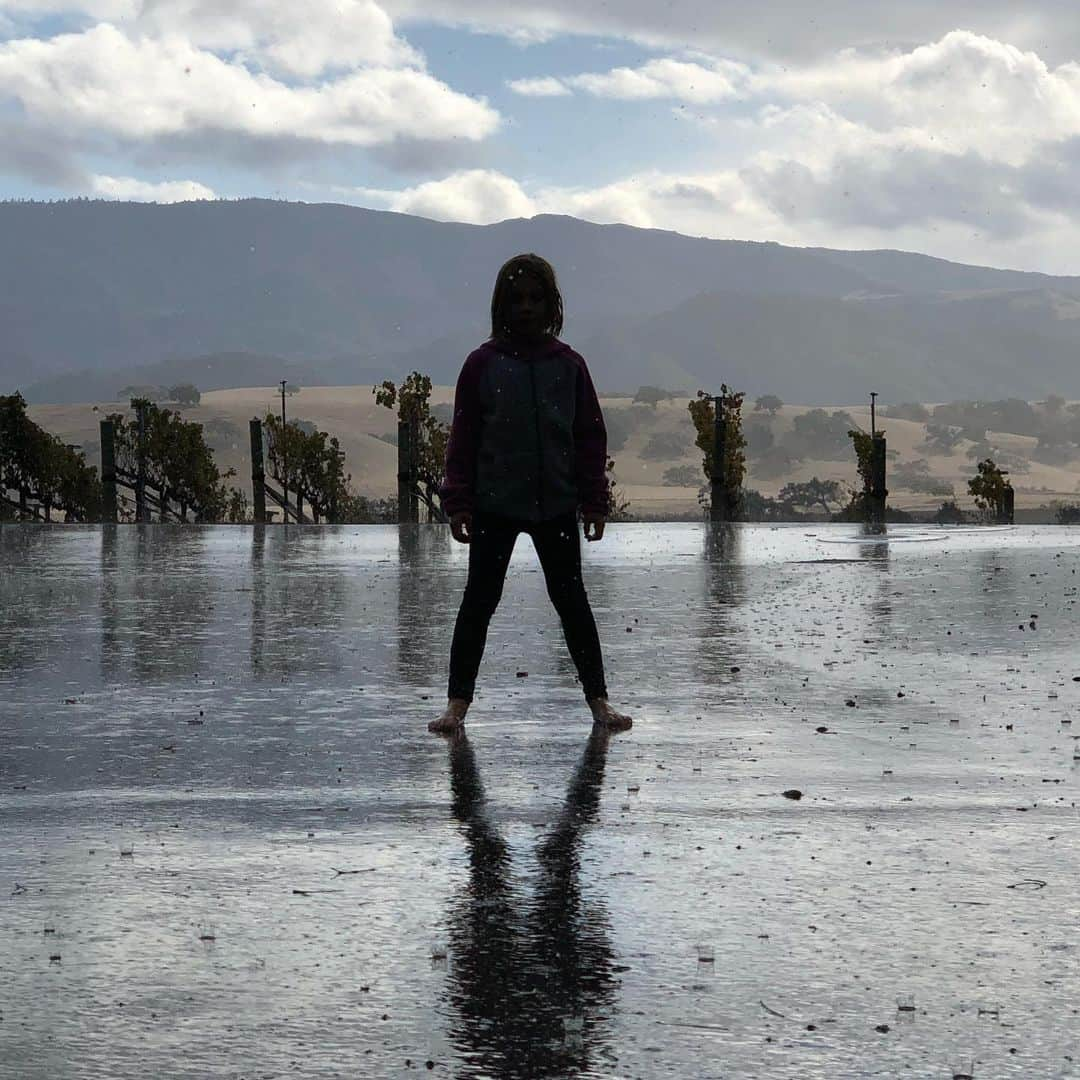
[[542, 270]]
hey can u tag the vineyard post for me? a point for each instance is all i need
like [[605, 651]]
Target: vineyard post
[[258, 476], [284, 461], [141, 511], [408, 507], [718, 507], [878, 491], [414, 468], [108, 471]]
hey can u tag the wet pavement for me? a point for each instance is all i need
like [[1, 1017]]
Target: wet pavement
[[231, 849]]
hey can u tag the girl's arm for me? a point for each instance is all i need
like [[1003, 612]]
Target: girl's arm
[[459, 486], [590, 446]]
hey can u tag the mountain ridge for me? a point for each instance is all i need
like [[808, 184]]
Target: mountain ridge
[[104, 289]]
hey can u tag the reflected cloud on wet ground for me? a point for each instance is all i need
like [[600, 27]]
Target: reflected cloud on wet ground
[[224, 817]]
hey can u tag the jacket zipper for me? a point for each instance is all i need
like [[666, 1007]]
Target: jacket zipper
[[539, 448]]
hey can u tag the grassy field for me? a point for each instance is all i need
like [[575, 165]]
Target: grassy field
[[350, 414]]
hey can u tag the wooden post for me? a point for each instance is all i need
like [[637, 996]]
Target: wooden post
[[108, 471], [718, 500], [141, 512], [1008, 517], [284, 460], [414, 469], [878, 491], [404, 501], [258, 477]]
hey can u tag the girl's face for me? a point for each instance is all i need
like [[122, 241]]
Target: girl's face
[[528, 307]]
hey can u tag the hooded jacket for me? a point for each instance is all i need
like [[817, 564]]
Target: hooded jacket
[[528, 439]]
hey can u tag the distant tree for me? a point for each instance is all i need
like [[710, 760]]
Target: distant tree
[[908, 410], [1066, 513], [703, 413], [185, 394], [308, 462], [36, 467], [774, 463], [665, 446], [651, 395], [863, 444], [1051, 450], [682, 476], [904, 471], [950, 514], [984, 449], [759, 439], [941, 439], [820, 434], [179, 463], [143, 393], [974, 418], [769, 403], [753, 506], [411, 399], [811, 493], [915, 476], [929, 485], [622, 423], [988, 488]]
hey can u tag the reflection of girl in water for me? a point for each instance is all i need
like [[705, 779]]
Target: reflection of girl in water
[[527, 449], [520, 970]]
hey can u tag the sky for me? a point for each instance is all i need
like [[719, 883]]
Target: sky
[[946, 128]]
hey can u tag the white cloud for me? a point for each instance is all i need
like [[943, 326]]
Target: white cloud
[[170, 191], [649, 199], [479, 196], [969, 92], [97, 9], [548, 86], [666, 77], [103, 81], [301, 39]]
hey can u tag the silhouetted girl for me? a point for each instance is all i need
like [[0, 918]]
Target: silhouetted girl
[[527, 449]]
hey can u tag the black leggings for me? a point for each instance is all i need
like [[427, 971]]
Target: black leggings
[[558, 545]]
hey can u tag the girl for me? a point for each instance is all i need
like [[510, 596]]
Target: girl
[[527, 447]]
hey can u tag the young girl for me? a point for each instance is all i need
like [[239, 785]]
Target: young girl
[[527, 448]]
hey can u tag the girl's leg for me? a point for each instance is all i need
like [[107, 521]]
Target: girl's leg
[[559, 547], [490, 549]]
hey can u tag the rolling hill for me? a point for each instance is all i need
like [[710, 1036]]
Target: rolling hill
[[98, 291]]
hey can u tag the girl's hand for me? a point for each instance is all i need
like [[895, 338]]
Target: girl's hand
[[597, 522], [461, 526]]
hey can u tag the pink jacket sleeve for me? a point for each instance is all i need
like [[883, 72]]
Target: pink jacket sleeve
[[459, 486], [590, 445]]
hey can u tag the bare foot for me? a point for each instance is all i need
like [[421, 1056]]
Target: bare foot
[[452, 719], [606, 716]]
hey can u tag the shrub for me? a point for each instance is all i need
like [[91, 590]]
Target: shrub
[[682, 476]]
